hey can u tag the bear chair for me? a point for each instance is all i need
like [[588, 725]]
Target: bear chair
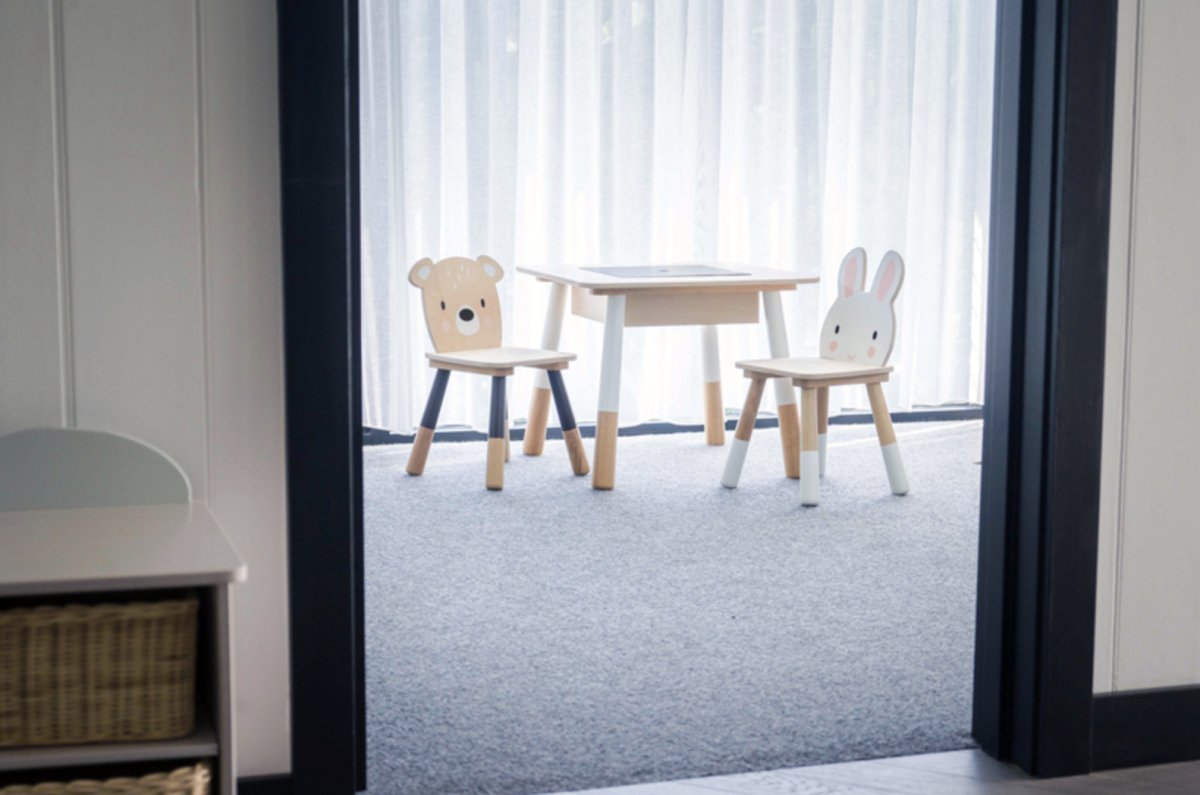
[[856, 341], [462, 313]]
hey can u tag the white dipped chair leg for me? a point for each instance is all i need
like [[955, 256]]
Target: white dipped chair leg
[[810, 456], [741, 435], [897, 478], [822, 422]]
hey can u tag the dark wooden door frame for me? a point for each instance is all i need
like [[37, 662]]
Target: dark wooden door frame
[[1047, 291], [1039, 522]]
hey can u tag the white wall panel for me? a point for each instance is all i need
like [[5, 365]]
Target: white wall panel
[[137, 283], [31, 348], [148, 299], [1150, 612], [240, 153]]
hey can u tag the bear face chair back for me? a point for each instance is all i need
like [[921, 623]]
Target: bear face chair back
[[465, 324], [856, 342]]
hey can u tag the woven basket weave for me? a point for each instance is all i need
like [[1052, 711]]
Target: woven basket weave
[[97, 673], [184, 781]]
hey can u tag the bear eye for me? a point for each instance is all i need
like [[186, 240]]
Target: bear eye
[[443, 304], [874, 335], [836, 329], [483, 303]]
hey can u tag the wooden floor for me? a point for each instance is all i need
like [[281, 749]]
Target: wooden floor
[[953, 773]]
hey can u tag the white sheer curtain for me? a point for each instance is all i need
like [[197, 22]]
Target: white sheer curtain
[[779, 133]]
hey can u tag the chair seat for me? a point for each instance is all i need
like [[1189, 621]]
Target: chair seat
[[813, 371], [499, 361]]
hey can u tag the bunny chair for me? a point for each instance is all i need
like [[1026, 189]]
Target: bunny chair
[[462, 313], [856, 342]]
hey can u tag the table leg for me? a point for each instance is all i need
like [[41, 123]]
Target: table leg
[[604, 465], [539, 406], [785, 393], [714, 407]]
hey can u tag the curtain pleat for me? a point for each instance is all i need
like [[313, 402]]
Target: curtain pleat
[[778, 133]]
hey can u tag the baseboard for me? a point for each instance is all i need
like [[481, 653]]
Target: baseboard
[[1146, 727], [266, 785], [374, 436]]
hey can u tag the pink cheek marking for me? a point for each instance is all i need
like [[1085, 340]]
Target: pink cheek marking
[[871, 352], [445, 325], [488, 322], [832, 346]]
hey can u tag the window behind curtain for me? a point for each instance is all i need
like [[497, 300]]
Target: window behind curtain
[[778, 134]]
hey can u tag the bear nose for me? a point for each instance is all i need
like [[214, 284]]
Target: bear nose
[[466, 314]]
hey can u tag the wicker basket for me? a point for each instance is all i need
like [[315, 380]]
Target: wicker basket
[[97, 673], [184, 781]]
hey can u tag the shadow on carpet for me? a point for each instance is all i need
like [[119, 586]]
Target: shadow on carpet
[[550, 637]]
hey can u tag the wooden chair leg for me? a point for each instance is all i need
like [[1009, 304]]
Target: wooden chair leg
[[566, 419], [741, 435], [822, 422], [810, 458], [789, 433], [433, 407], [494, 479], [507, 434], [897, 478]]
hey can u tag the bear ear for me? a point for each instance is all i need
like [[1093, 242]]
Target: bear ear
[[888, 277], [421, 272], [490, 267], [852, 275]]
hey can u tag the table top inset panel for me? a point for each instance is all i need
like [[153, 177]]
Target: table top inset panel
[[743, 278], [114, 549]]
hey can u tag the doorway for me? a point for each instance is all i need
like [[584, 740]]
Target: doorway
[[1006, 666]]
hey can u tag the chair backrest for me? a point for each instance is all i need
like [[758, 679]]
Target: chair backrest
[[861, 325], [68, 468], [462, 304]]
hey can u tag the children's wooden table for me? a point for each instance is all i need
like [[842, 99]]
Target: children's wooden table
[[705, 295]]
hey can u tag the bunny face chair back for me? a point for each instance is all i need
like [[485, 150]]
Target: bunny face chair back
[[856, 342], [462, 313], [860, 327]]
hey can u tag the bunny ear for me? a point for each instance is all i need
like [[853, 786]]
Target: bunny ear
[[852, 276], [888, 277]]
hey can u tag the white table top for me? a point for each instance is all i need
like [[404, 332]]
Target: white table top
[[746, 277], [114, 549]]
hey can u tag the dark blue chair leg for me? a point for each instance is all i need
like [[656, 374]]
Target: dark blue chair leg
[[433, 407], [566, 419], [496, 436]]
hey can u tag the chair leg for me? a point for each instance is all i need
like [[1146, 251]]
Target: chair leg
[[741, 435], [566, 419], [507, 434], [433, 407], [810, 458], [714, 408], [822, 422], [897, 479], [495, 446]]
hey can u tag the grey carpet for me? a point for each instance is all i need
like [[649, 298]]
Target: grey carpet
[[550, 637]]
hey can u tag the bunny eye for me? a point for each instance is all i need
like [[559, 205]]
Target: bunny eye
[[443, 304], [874, 335], [836, 329], [482, 303]]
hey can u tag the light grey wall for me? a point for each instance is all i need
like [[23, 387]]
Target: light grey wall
[[140, 282], [1148, 609]]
